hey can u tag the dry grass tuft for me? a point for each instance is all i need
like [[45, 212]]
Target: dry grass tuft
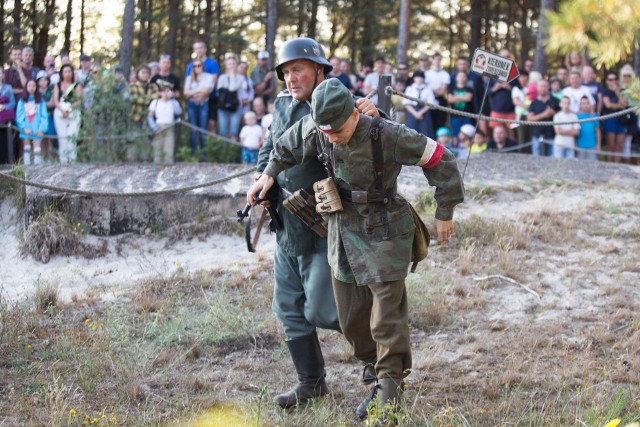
[[46, 298], [53, 234]]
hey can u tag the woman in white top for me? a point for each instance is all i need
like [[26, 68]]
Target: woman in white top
[[230, 84], [67, 95], [419, 116], [197, 88]]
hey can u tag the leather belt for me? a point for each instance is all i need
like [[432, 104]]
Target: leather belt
[[366, 196]]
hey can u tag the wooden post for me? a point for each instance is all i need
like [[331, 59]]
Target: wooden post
[[384, 100]]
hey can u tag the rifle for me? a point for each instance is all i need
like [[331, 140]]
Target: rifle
[[276, 221]]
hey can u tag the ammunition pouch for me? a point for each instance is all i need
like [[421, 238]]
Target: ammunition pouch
[[327, 197], [303, 206]]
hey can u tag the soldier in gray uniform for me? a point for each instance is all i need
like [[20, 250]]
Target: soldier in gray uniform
[[370, 239], [303, 298]]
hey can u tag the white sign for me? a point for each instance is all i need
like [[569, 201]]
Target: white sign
[[495, 66]]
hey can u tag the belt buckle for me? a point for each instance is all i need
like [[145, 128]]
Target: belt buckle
[[359, 196]]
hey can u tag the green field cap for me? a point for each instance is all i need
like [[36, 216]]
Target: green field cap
[[331, 105]]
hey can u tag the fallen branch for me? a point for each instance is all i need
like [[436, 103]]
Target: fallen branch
[[510, 280]]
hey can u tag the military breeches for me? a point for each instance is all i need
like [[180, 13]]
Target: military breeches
[[303, 296], [374, 319]]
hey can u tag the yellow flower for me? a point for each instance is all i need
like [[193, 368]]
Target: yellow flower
[[29, 346], [87, 321], [613, 423], [73, 412], [94, 327], [94, 421]]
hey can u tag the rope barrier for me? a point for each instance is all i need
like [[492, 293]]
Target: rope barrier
[[206, 132], [122, 195], [590, 150], [134, 135], [391, 91]]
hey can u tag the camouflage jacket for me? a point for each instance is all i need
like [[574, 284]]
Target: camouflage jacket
[[295, 237], [371, 242]]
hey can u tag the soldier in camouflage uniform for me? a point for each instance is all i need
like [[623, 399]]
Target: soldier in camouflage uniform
[[303, 298], [370, 240]]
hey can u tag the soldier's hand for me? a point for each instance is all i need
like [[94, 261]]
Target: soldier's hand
[[367, 107], [262, 185], [444, 230]]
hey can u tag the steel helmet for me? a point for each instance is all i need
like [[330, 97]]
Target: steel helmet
[[301, 48]]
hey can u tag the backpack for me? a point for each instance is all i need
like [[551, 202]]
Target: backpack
[[228, 99]]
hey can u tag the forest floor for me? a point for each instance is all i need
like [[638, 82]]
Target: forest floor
[[529, 316]]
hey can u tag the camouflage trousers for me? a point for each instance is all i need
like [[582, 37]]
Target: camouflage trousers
[[374, 319]]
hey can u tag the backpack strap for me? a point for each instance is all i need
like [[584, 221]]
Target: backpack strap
[[376, 148]]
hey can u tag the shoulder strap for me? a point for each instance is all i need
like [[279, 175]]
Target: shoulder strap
[[376, 148]]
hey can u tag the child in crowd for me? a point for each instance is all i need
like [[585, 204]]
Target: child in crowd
[[32, 120], [46, 89], [565, 141], [466, 140], [266, 120], [479, 142], [555, 87], [162, 117], [251, 138], [443, 136], [461, 99], [589, 138]]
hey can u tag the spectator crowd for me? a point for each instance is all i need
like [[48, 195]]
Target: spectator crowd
[[45, 104]]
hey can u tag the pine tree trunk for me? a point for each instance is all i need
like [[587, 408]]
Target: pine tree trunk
[[219, 29], [2, 33], [301, 16], [272, 26], [143, 41], [313, 20], [42, 43], [525, 40], [476, 25], [208, 19], [174, 26], [34, 24], [540, 58], [17, 19], [82, 9], [126, 47], [403, 30], [67, 28]]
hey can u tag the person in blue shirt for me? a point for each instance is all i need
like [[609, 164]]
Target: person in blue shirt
[[589, 138], [32, 120]]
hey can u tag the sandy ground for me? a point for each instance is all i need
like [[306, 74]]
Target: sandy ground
[[141, 256]]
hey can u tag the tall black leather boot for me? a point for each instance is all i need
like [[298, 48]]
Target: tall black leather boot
[[307, 358]]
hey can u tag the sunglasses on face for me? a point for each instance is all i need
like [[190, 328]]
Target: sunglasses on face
[[612, 79], [197, 65]]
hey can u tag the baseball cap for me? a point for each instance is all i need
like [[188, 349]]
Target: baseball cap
[[423, 57], [331, 105], [468, 130], [263, 54], [85, 57], [418, 73], [41, 74], [443, 131]]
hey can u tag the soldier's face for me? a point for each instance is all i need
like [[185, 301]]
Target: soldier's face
[[344, 134], [300, 76]]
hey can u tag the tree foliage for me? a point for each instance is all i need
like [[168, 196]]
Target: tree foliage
[[608, 30]]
